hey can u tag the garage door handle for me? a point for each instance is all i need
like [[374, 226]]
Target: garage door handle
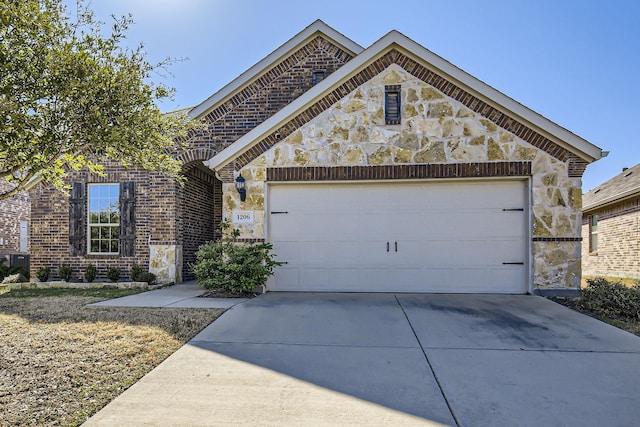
[[387, 246], [513, 263], [396, 246], [513, 210]]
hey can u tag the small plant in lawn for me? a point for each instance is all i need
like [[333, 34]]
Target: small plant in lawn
[[231, 265], [90, 272], [65, 271], [611, 298], [113, 274], [43, 273]]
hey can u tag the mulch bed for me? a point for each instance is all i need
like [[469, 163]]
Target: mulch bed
[[223, 293]]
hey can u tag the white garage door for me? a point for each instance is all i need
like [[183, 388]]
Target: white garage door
[[456, 236]]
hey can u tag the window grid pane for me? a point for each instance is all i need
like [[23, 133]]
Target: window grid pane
[[104, 218]]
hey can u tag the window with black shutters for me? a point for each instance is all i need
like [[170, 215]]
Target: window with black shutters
[[392, 105], [102, 218]]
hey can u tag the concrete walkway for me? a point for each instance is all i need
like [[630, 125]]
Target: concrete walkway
[[383, 359], [183, 295]]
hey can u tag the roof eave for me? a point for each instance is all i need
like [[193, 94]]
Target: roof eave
[[396, 40], [317, 27], [499, 100], [618, 198]]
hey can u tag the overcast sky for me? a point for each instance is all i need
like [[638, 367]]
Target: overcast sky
[[576, 62]]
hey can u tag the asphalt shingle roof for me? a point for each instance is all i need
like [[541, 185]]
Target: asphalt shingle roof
[[623, 185]]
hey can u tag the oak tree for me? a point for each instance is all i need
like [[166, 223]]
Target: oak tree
[[73, 95]]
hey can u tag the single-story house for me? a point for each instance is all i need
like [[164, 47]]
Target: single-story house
[[15, 214], [377, 169], [611, 227]]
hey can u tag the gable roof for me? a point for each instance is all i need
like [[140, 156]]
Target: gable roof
[[394, 47], [622, 186], [317, 28]]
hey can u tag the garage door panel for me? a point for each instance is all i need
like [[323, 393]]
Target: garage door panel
[[315, 278], [448, 252], [451, 237], [288, 278]]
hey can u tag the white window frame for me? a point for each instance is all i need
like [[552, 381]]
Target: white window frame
[[91, 225], [593, 233]]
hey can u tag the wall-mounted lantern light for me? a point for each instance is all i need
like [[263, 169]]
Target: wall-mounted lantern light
[[240, 186]]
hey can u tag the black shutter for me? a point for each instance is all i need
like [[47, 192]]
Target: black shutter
[[127, 218], [78, 219]]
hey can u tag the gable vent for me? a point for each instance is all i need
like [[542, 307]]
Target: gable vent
[[317, 76]]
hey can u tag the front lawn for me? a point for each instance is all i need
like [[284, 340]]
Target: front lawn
[[62, 361]]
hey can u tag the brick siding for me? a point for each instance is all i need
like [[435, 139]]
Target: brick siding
[[200, 214], [268, 94], [12, 212], [457, 170], [167, 214], [618, 251], [155, 202]]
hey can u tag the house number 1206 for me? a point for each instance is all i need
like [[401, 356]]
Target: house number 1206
[[240, 217]]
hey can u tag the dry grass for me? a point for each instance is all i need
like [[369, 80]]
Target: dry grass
[[61, 361], [624, 280]]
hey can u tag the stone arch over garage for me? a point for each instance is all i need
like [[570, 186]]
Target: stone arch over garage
[[199, 206]]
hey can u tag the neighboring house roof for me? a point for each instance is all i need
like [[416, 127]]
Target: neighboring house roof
[[315, 29], [622, 186], [456, 83]]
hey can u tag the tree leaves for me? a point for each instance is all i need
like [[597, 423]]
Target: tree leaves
[[71, 97]]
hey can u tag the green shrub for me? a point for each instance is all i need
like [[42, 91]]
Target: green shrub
[[138, 274], [6, 270], [65, 271], [611, 298], [113, 274], [136, 271], [43, 273], [231, 265], [148, 277], [90, 272]]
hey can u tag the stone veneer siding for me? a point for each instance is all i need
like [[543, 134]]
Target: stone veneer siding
[[618, 253], [435, 129], [12, 212]]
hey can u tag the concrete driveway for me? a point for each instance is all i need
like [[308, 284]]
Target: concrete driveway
[[384, 359]]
